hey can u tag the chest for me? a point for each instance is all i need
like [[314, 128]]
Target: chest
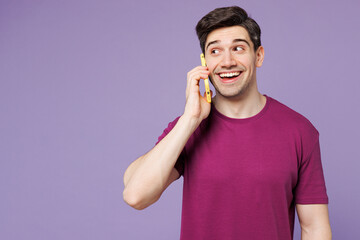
[[244, 158]]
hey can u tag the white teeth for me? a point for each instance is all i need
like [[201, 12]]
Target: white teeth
[[233, 74]]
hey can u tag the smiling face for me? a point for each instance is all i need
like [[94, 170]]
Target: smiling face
[[232, 61]]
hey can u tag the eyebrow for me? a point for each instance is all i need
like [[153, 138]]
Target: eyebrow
[[234, 41]]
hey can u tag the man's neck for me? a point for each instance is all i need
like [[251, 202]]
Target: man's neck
[[247, 105]]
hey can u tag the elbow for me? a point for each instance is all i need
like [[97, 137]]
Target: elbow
[[134, 200]]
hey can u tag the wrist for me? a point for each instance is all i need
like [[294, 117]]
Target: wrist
[[189, 123]]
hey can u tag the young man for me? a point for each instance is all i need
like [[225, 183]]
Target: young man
[[247, 160]]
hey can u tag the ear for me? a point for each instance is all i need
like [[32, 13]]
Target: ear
[[259, 56]]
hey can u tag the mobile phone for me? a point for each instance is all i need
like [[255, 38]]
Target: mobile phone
[[206, 81]]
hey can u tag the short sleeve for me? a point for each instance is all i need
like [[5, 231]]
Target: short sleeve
[[311, 187], [179, 165]]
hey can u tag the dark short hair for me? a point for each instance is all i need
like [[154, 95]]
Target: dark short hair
[[227, 17]]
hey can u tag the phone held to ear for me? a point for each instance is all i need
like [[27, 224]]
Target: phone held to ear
[[206, 81]]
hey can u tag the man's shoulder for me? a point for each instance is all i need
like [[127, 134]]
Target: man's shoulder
[[290, 118]]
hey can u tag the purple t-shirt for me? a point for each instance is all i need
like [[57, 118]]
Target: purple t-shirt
[[243, 177]]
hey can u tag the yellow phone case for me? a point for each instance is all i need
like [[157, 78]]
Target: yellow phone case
[[206, 81]]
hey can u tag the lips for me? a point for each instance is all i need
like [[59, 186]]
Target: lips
[[229, 77], [229, 74]]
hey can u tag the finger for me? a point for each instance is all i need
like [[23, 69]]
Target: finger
[[198, 68], [197, 73], [202, 73], [194, 85], [194, 78]]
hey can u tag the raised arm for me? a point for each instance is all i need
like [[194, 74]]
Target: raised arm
[[148, 176]]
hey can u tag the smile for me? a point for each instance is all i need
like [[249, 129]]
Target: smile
[[229, 74], [229, 77]]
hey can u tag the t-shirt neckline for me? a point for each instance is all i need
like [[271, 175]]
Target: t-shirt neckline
[[243, 120]]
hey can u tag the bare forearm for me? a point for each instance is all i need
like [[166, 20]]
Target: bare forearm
[[147, 177], [320, 233]]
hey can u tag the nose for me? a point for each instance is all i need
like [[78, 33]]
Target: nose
[[228, 60]]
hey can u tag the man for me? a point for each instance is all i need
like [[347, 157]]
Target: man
[[247, 160]]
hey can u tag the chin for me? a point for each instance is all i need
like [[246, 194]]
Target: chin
[[232, 93]]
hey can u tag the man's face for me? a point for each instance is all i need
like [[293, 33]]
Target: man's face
[[231, 60]]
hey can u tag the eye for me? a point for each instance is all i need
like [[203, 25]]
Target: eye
[[239, 48], [214, 51]]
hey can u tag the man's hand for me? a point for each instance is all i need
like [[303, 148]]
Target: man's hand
[[196, 108]]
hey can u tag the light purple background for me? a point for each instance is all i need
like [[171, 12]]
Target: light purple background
[[88, 86]]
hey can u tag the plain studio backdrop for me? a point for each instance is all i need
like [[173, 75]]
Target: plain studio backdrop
[[88, 86]]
